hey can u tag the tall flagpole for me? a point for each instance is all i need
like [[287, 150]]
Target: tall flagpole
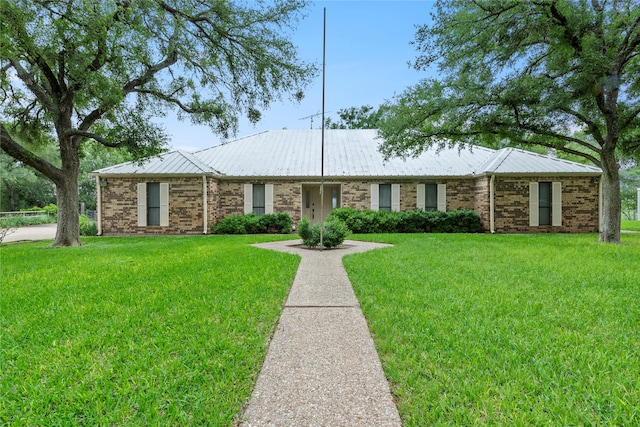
[[324, 48]]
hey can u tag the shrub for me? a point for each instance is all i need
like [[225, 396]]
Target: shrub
[[52, 210], [87, 227], [252, 224], [418, 221], [334, 233], [21, 221]]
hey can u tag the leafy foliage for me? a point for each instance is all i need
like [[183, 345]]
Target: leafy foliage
[[102, 71], [334, 233], [279, 223], [364, 117], [417, 221], [87, 226], [564, 75]]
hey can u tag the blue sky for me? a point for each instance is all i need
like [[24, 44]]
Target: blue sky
[[368, 51]]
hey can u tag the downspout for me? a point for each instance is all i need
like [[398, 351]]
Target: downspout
[[600, 203], [205, 204], [98, 206], [492, 204]]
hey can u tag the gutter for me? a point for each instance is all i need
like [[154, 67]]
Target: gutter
[[492, 228], [205, 204], [98, 205]]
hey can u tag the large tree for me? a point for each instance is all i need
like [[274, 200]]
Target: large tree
[[561, 74], [102, 70]]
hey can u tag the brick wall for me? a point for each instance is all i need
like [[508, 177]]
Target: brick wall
[[460, 194], [481, 200], [230, 197], [120, 214], [120, 206], [579, 205]]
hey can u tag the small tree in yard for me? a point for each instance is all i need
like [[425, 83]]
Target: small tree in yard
[[561, 74], [98, 71]]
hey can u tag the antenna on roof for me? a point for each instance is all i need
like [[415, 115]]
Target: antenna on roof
[[312, 116]]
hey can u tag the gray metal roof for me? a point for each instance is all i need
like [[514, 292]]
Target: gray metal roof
[[171, 163], [348, 153], [515, 161]]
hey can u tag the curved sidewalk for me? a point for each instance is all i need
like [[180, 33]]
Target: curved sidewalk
[[322, 368]]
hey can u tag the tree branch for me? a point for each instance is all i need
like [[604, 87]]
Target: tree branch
[[94, 136], [28, 79], [130, 87], [18, 152], [593, 128]]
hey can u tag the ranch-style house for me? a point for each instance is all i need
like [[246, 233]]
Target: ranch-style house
[[513, 191]]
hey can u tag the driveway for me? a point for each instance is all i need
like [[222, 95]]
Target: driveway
[[32, 233]]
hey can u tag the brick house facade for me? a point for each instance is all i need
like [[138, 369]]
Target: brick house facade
[[184, 193]]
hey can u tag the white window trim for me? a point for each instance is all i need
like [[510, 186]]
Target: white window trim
[[556, 204], [395, 197], [142, 204], [164, 204], [375, 197], [420, 201], [248, 198], [268, 198], [442, 197], [534, 219]]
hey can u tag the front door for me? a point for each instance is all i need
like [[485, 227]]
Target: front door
[[312, 207]]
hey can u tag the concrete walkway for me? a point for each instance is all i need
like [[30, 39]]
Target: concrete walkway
[[322, 368], [32, 233]]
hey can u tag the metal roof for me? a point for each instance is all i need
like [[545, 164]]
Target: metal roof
[[171, 163], [515, 161], [347, 153]]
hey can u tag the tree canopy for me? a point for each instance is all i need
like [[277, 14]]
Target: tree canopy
[[561, 74], [103, 70], [364, 117]]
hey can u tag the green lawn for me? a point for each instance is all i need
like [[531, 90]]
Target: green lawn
[[136, 331], [630, 225], [506, 329]]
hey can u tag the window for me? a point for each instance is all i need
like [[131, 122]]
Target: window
[[431, 197], [384, 197], [544, 203], [258, 199], [334, 198], [153, 203]]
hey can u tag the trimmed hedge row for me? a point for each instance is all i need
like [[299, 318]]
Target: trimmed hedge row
[[279, 223], [418, 221]]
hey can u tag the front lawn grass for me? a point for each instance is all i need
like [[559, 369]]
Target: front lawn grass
[[630, 225], [506, 329], [136, 331]]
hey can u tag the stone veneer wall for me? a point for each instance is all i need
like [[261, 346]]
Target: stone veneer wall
[[120, 206], [579, 205]]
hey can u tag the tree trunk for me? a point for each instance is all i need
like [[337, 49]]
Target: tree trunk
[[611, 206], [68, 231]]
